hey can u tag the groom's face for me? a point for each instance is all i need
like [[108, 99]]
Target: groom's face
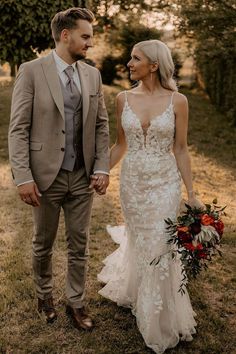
[[79, 40]]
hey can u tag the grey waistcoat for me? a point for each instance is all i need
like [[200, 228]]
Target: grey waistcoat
[[73, 158]]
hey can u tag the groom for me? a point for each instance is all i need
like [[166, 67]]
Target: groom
[[58, 147]]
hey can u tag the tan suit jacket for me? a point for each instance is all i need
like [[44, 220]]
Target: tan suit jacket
[[37, 126]]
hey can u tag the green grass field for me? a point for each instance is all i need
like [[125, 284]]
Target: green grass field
[[213, 151]]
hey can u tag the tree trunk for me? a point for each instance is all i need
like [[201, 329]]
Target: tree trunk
[[13, 69]]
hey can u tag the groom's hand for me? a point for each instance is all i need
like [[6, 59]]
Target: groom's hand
[[29, 193], [99, 182]]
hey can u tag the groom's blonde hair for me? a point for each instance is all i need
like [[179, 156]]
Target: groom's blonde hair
[[67, 20], [158, 52]]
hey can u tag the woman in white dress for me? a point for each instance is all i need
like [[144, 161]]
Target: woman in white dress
[[152, 122]]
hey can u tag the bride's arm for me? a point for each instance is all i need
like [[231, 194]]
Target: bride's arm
[[181, 148], [119, 148]]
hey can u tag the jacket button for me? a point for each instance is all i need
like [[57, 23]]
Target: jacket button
[[62, 149], [63, 131]]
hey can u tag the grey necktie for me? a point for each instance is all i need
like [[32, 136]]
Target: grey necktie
[[70, 85]]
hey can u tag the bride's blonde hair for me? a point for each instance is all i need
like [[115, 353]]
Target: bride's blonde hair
[[158, 52]]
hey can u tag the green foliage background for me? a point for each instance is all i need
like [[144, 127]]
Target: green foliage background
[[25, 26], [123, 38], [211, 28]]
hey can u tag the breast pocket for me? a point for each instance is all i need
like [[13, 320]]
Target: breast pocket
[[93, 97], [35, 146]]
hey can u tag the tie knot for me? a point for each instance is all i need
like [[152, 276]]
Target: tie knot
[[69, 72]]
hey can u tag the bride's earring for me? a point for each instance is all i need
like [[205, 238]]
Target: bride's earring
[[151, 76]]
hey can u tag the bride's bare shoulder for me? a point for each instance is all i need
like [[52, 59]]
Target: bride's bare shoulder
[[124, 95], [121, 95], [120, 99], [179, 99]]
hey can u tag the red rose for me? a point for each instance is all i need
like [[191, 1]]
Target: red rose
[[202, 254], [189, 246], [219, 226], [207, 220]]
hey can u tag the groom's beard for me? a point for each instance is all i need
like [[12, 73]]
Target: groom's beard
[[76, 56]]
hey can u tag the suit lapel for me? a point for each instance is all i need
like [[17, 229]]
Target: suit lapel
[[51, 75], [83, 75]]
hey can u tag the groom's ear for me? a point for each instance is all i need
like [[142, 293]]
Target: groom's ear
[[64, 35]]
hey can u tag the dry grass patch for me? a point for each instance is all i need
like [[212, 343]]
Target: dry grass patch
[[22, 330]]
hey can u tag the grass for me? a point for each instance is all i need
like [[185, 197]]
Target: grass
[[22, 330]]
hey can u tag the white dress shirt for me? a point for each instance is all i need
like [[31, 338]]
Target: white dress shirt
[[61, 66]]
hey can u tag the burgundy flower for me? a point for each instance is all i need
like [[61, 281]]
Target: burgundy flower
[[184, 237], [219, 226], [195, 228]]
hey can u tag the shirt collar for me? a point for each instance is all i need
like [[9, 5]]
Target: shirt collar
[[60, 63]]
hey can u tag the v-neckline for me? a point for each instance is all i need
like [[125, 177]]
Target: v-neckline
[[152, 119], [146, 131]]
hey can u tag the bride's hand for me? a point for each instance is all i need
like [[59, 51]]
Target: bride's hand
[[195, 203]]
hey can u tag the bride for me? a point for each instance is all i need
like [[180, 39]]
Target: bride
[[152, 122]]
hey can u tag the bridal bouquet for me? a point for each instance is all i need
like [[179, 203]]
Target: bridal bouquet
[[196, 235]]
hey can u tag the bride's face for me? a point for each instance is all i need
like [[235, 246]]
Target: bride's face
[[139, 65]]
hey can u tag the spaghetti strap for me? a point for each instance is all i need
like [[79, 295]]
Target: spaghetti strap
[[126, 99], [171, 100]]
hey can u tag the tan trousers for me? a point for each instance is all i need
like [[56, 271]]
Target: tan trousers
[[69, 191]]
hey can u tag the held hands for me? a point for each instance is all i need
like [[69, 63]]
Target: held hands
[[29, 193], [99, 182]]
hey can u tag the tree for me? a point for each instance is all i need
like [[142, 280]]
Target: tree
[[211, 25], [25, 28], [131, 33], [108, 11]]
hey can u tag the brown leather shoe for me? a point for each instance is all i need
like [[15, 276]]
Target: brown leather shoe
[[79, 317], [48, 308]]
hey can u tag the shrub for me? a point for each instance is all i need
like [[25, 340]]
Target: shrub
[[109, 69]]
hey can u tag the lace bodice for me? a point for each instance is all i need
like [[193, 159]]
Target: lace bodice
[[156, 139]]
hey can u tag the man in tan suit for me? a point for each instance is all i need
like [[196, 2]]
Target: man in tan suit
[[58, 147]]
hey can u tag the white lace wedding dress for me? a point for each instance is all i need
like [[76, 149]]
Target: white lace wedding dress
[[150, 191]]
